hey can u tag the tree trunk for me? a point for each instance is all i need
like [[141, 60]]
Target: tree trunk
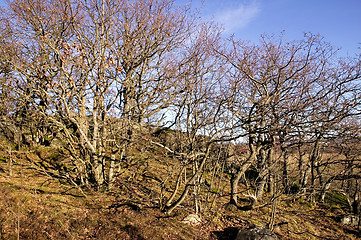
[[270, 170], [285, 178], [98, 170], [111, 174], [189, 184], [237, 176], [324, 190], [271, 182], [260, 188], [179, 179], [305, 176], [314, 160]]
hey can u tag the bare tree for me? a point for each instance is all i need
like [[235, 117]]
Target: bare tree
[[200, 117], [273, 86], [80, 65]]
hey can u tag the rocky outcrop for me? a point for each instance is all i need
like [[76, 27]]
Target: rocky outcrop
[[192, 219], [256, 233], [348, 219]]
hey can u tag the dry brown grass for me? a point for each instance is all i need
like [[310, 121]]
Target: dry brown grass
[[38, 207]]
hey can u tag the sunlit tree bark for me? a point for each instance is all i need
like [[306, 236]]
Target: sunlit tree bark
[[82, 64], [274, 87]]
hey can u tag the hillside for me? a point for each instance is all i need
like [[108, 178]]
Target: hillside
[[37, 206], [122, 119]]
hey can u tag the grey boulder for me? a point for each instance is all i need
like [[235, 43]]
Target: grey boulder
[[256, 233]]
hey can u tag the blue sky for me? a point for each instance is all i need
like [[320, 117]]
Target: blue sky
[[338, 21]]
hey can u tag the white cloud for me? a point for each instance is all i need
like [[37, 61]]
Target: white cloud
[[238, 16]]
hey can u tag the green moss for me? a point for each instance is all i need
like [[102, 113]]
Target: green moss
[[337, 198], [54, 156], [231, 207], [306, 203], [310, 204], [3, 159], [49, 138], [215, 190]]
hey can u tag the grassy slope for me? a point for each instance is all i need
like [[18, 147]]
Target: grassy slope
[[42, 208]]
